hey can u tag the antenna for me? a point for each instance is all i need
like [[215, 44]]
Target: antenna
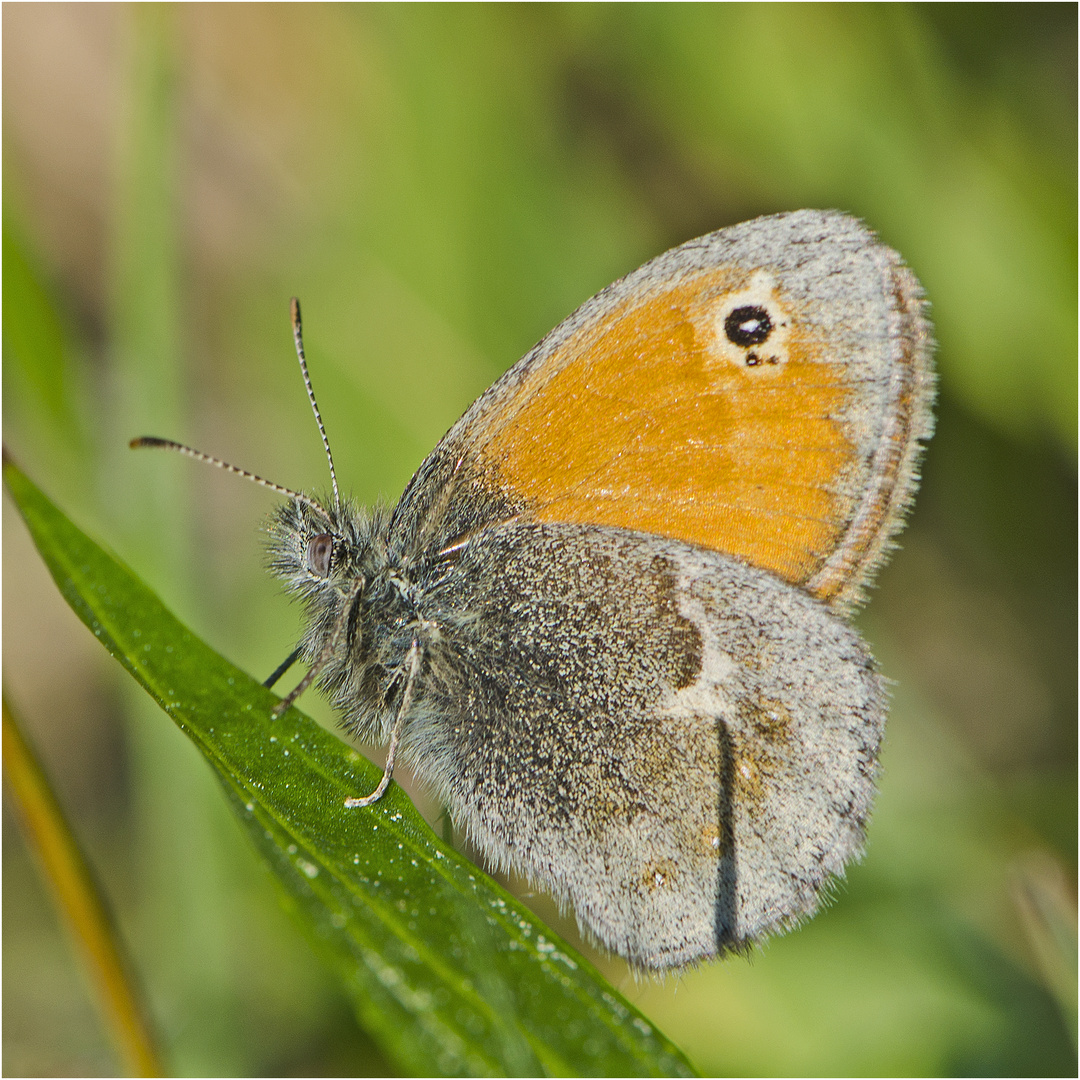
[[298, 337], [198, 455]]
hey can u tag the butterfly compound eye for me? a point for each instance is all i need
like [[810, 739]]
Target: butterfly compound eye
[[319, 552]]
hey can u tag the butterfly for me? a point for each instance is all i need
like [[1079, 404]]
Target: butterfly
[[607, 622]]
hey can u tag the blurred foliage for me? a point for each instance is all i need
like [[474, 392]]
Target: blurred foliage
[[440, 185]]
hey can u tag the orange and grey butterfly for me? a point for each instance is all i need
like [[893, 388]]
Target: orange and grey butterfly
[[606, 619]]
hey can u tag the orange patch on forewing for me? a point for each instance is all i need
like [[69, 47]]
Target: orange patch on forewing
[[647, 421]]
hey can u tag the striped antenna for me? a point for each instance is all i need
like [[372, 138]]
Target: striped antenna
[[298, 337], [180, 448]]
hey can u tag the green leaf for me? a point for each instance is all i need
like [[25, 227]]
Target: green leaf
[[446, 969]]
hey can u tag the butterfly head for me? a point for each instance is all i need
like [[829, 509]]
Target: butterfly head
[[318, 552], [339, 563]]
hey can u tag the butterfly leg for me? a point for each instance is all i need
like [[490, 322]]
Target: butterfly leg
[[324, 657], [412, 662]]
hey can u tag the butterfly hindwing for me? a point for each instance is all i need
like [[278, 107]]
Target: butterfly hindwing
[[676, 744]]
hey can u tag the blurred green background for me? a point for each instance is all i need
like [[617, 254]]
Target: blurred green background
[[440, 186]]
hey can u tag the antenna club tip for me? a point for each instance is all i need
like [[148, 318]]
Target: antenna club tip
[[144, 440], [294, 309]]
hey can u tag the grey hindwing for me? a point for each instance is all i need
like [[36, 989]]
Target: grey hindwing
[[679, 746]]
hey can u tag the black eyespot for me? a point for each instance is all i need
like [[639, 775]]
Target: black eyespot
[[319, 552], [749, 325]]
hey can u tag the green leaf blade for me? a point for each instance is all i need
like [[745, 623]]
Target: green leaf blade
[[448, 971]]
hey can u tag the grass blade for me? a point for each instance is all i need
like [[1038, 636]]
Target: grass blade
[[80, 901]]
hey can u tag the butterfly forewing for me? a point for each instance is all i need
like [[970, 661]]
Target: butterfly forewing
[[761, 391]]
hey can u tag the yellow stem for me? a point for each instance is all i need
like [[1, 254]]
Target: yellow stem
[[81, 903]]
